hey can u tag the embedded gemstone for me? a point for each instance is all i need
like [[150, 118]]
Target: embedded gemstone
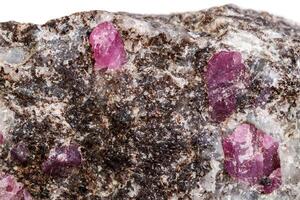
[[11, 189], [251, 156], [225, 77], [108, 46], [61, 159], [20, 153]]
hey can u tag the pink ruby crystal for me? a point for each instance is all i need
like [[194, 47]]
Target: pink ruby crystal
[[107, 46], [252, 156], [10, 189], [225, 76], [61, 159]]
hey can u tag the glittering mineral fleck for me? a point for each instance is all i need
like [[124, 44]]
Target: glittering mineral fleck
[[108, 46], [149, 124], [252, 156]]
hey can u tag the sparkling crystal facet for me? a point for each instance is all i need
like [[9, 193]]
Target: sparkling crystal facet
[[224, 77], [62, 158], [107, 46], [252, 157], [11, 189]]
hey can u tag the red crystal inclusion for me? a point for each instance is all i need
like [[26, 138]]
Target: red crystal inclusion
[[252, 156], [107, 46], [225, 76]]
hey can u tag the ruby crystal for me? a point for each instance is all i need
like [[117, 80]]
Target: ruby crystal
[[252, 156], [10, 189], [225, 76], [61, 159], [107, 46], [20, 153]]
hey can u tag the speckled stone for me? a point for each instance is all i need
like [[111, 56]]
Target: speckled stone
[[145, 131]]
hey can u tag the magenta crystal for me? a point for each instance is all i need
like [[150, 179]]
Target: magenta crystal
[[61, 159], [107, 46], [225, 76], [20, 153], [252, 156], [10, 189]]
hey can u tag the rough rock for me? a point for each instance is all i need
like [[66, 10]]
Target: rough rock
[[145, 131]]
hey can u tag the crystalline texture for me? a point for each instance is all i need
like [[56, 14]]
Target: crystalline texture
[[108, 46], [225, 76], [145, 129], [10, 189], [252, 157], [20, 153], [62, 158]]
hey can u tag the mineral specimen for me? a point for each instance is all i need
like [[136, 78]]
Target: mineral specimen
[[225, 76], [107, 46], [62, 158], [150, 125], [10, 189], [20, 153], [252, 156]]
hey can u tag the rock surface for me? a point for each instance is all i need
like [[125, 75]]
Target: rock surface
[[146, 131]]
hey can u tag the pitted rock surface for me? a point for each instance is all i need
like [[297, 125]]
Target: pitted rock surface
[[145, 131]]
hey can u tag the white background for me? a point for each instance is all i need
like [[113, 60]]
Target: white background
[[39, 11]]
